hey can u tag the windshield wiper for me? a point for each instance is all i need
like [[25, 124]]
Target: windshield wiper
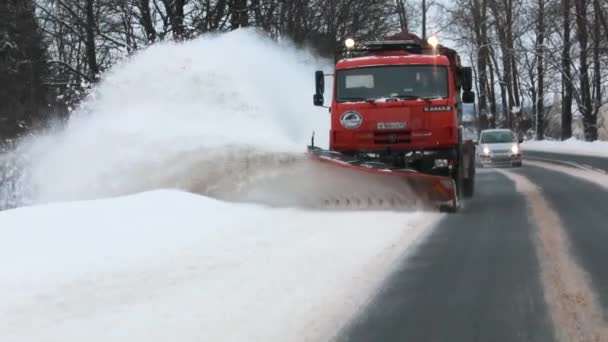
[[406, 97], [437, 97], [352, 99], [355, 99]]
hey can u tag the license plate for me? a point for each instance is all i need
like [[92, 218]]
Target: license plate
[[391, 125]]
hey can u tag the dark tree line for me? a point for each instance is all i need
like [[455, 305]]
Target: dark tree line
[[23, 71]]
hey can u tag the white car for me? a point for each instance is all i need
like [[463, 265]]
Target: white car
[[498, 147]]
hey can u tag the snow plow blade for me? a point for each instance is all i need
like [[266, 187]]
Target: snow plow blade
[[381, 186]]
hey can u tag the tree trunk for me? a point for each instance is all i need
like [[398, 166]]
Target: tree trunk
[[91, 47], [424, 9], [178, 22], [540, 41], [401, 11], [511, 78], [503, 30], [584, 105], [220, 8], [503, 92], [601, 17], [238, 14], [479, 9], [597, 71], [146, 20], [566, 74], [492, 94], [175, 14]]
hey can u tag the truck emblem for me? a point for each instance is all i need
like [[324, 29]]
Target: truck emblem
[[351, 119], [392, 138]]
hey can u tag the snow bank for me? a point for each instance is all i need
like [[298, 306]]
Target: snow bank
[[172, 266], [572, 146], [178, 111]]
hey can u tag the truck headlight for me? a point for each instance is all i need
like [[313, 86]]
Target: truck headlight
[[349, 43], [441, 163], [486, 150]]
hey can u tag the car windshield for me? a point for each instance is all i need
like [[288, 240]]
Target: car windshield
[[400, 82], [497, 137]]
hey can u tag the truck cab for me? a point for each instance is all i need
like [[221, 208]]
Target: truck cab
[[399, 101]]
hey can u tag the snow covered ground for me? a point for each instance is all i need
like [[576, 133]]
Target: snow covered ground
[[120, 234], [572, 146], [173, 266]]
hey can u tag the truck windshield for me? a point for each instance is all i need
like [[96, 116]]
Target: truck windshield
[[395, 81]]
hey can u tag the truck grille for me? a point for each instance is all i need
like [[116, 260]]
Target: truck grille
[[395, 137]]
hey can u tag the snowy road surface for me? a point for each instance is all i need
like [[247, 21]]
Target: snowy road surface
[[588, 162], [525, 261]]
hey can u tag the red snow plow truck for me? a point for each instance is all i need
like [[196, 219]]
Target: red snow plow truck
[[396, 114]]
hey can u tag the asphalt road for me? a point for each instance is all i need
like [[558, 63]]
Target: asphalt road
[[574, 160], [525, 260]]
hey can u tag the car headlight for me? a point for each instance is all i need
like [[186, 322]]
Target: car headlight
[[515, 149], [486, 150]]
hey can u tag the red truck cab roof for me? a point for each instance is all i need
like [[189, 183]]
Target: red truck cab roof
[[403, 59]]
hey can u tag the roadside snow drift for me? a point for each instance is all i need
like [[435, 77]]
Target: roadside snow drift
[[571, 146], [173, 266]]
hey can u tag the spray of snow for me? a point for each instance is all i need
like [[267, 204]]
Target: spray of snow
[[181, 115]]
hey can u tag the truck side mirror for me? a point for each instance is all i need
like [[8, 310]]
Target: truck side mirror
[[468, 97], [318, 99], [467, 79]]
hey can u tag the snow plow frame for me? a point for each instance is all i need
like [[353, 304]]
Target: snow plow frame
[[438, 190]]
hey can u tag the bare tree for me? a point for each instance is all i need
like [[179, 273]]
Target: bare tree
[[402, 13], [90, 27], [566, 74], [597, 68], [584, 105], [540, 51], [145, 19], [239, 16]]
